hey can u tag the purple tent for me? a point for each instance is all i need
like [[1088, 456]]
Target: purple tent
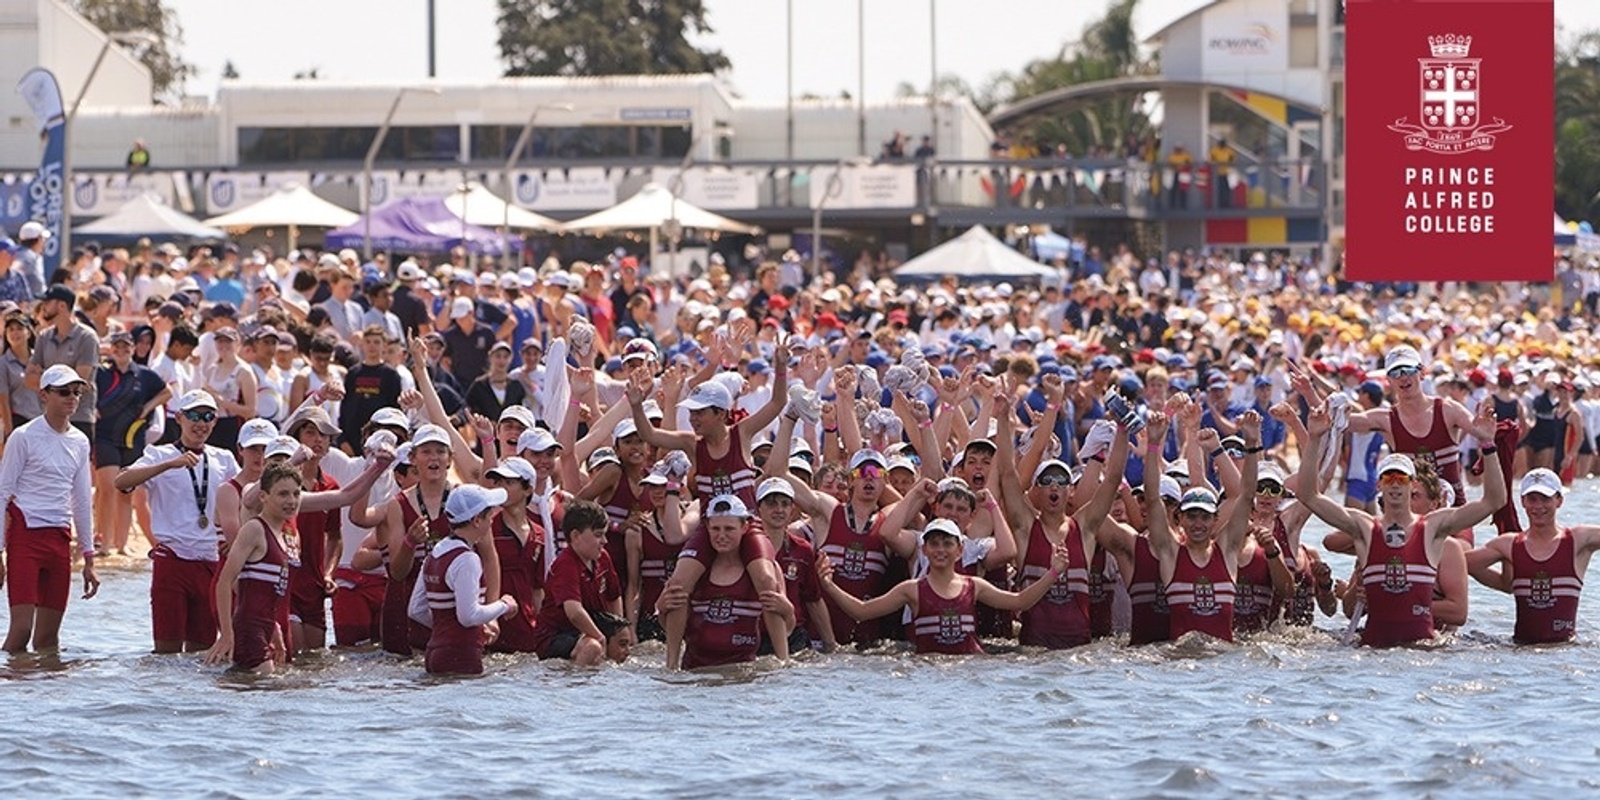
[[421, 224]]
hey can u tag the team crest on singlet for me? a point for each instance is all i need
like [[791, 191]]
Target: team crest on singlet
[[282, 587], [1061, 592], [1160, 604], [855, 562], [1205, 598], [791, 572], [950, 627], [720, 611], [1394, 577], [1541, 593], [721, 483], [1244, 599], [1097, 585]]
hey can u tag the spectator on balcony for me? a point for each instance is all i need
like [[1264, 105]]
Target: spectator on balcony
[[1182, 165], [1221, 158], [138, 157], [924, 150]]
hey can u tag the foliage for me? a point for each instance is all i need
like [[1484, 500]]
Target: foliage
[[1577, 127], [168, 71], [1108, 48], [605, 37]]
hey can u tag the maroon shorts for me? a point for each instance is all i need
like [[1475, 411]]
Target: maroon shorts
[[251, 639], [39, 567], [183, 600], [357, 607], [308, 601], [454, 660]]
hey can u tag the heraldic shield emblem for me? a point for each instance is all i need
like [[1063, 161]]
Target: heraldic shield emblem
[[1450, 100], [950, 631], [1541, 592]]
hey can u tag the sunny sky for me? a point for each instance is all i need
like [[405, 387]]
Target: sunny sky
[[385, 40]]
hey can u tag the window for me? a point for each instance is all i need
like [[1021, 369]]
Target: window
[[652, 142], [349, 144]]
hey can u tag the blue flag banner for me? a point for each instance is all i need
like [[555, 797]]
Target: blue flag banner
[[46, 200]]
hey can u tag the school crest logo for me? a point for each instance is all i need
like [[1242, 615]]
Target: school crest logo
[[791, 571], [1449, 101], [1244, 601], [1205, 598], [1097, 585], [950, 627], [721, 483], [1394, 577], [855, 562], [720, 611], [1541, 593], [1061, 592], [1161, 598]]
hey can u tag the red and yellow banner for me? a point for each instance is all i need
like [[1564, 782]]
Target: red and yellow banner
[[1449, 139]]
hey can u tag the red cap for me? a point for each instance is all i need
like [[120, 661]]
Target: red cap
[[1535, 352], [1322, 367], [899, 315], [628, 262], [1349, 369], [769, 322], [828, 319], [777, 302], [1145, 356], [1478, 377], [1504, 377]]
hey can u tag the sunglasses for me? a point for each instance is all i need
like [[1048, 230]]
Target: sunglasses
[[1404, 372], [1393, 478], [1053, 479], [64, 391], [1269, 488], [867, 471], [200, 416]]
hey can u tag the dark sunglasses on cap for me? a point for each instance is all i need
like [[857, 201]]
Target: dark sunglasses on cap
[[1053, 479], [64, 391], [1269, 488], [1403, 372], [200, 415]]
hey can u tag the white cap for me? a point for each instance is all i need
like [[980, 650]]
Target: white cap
[[195, 399], [1170, 490], [1270, 471], [726, 505], [282, 446], [536, 440], [409, 271], [257, 433], [711, 394], [514, 468], [509, 281], [1179, 468], [1541, 481], [60, 375], [33, 230], [402, 454], [379, 440], [1198, 497], [429, 434], [1054, 463], [602, 456], [470, 500], [460, 307], [798, 463], [868, 456], [901, 462], [654, 478], [349, 254], [625, 428], [943, 526], [390, 417], [527, 277], [772, 486], [518, 413], [1402, 356], [1397, 462]]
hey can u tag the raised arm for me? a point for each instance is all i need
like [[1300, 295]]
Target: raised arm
[[1349, 521], [1162, 541], [1447, 521], [467, 462], [902, 595], [1005, 544], [1237, 525], [661, 439], [763, 416]]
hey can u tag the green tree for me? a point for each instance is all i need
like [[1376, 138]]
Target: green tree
[[1577, 127], [1106, 49], [605, 37], [168, 71]]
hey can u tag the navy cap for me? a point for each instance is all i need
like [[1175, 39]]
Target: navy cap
[[613, 364], [1105, 362], [1131, 383], [1371, 388], [758, 366], [1069, 374], [1180, 384], [1262, 380], [948, 371], [1049, 369], [59, 291], [7, 245], [877, 359]]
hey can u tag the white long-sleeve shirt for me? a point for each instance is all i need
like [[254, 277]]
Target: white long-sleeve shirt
[[46, 472], [465, 579]]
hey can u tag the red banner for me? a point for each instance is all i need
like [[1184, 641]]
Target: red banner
[[1448, 139]]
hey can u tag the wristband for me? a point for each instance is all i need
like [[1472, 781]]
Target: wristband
[[1272, 553], [574, 402], [1253, 450], [834, 429], [1214, 454], [1153, 448], [1052, 406], [1490, 450], [927, 423]]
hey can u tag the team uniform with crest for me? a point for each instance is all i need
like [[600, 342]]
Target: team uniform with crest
[[1398, 582], [946, 625], [724, 624], [1201, 598], [1546, 592]]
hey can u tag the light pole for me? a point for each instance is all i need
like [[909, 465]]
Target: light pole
[[673, 229], [121, 37], [834, 189], [366, 166], [861, 77], [511, 164]]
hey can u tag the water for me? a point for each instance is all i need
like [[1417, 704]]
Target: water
[[1290, 714]]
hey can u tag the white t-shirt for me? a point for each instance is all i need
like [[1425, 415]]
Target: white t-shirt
[[174, 513]]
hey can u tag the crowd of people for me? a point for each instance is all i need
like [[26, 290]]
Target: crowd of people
[[444, 460]]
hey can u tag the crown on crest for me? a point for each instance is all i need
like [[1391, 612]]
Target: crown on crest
[[1450, 46]]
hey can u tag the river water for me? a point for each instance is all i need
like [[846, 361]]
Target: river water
[[1288, 714]]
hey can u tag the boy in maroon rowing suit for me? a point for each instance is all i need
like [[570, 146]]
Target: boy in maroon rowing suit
[[1398, 553], [943, 603], [258, 562], [1201, 568], [1542, 567], [581, 618], [449, 596], [722, 465], [1441, 420]]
